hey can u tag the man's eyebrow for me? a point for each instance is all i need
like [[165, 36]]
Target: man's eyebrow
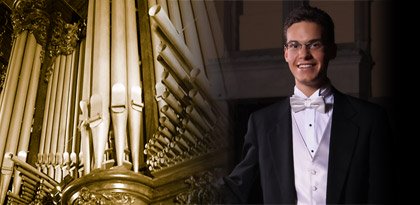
[[310, 41], [314, 40]]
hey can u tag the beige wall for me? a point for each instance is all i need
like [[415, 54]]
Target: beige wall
[[342, 13], [260, 26]]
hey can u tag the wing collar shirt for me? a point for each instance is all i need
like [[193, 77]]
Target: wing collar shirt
[[311, 137]]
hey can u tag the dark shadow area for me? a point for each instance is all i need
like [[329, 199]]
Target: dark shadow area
[[401, 78], [240, 112]]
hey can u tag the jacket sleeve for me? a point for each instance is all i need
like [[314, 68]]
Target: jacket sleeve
[[235, 188]]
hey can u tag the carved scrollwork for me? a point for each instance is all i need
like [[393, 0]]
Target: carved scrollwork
[[30, 15], [201, 191], [2, 76], [48, 73], [30, 4], [64, 36], [58, 26], [3, 31], [88, 197]]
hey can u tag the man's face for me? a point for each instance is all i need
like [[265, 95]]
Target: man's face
[[306, 54]]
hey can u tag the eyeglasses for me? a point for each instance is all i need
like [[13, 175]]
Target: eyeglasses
[[294, 46]]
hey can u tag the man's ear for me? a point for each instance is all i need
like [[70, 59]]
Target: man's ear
[[285, 53]]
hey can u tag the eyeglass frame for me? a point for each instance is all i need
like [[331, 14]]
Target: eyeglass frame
[[308, 45]]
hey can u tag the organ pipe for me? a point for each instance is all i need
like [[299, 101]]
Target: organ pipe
[[10, 90], [135, 109], [19, 105], [93, 111], [99, 100], [119, 79], [24, 138]]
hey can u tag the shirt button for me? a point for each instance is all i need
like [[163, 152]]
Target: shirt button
[[313, 172], [314, 188]]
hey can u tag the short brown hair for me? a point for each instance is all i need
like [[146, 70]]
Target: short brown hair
[[315, 15]]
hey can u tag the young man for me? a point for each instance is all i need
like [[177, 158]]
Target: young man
[[318, 146]]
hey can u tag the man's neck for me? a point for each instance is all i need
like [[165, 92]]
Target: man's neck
[[308, 90]]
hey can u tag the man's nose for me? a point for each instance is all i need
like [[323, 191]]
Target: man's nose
[[304, 51]]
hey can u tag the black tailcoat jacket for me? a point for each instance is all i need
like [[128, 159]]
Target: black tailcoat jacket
[[359, 169]]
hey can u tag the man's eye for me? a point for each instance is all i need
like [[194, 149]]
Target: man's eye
[[315, 45], [293, 45]]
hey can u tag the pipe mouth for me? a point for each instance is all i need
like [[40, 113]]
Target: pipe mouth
[[189, 109], [165, 74], [165, 108], [154, 10], [192, 92], [194, 73], [165, 94], [162, 119], [162, 47]]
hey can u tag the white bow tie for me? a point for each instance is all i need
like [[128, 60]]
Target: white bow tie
[[298, 103]]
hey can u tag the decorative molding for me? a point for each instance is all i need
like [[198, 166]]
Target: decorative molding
[[2, 76], [30, 15], [201, 191], [49, 72], [57, 35], [64, 36], [6, 31], [109, 186], [89, 197], [2, 32], [63, 39]]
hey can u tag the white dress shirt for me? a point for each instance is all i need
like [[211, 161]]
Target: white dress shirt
[[311, 137]]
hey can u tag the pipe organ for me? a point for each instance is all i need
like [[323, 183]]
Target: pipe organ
[[128, 99]]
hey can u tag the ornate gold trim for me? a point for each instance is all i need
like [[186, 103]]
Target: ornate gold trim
[[64, 36], [89, 197], [3, 71], [201, 191], [30, 15], [110, 186]]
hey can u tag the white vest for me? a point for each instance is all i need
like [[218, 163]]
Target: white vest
[[311, 173]]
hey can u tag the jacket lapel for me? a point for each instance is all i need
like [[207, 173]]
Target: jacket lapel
[[281, 149], [344, 135]]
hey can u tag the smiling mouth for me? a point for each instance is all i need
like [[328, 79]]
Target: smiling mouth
[[305, 66]]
